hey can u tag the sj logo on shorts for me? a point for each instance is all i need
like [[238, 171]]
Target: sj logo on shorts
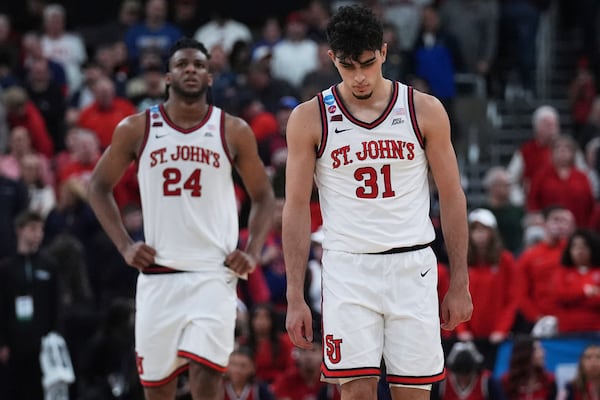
[[333, 349], [138, 362]]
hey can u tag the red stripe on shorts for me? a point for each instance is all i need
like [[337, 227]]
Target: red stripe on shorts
[[416, 380], [200, 360], [348, 373], [166, 380]]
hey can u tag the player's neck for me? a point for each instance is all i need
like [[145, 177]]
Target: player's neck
[[186, 114], [382, 91]]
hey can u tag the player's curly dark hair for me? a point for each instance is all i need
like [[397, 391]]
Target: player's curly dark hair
[[352, 30], [187, 43]]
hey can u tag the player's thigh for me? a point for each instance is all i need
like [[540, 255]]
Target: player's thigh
[[352, 321]]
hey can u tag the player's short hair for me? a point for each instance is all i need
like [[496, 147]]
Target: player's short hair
[[352, 30], [187, 43]]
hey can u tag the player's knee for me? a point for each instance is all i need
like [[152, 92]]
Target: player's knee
[[360, 389], [204, 380], [162, 392]]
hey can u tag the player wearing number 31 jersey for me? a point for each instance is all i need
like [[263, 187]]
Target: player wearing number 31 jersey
[[369, 143], [369, 167]]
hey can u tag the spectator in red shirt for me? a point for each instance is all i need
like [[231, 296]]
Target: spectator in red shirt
[[586, 384], [538, 263], [560, 182], [271, 346], [20, 111], [527, 377], [85, 155], [105, 113], [578, 284], [535, 152], [492, 269], [302, 380]]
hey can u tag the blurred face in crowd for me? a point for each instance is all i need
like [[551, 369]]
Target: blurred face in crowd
[[54, 23], [580, 251], [39, 74], [271, 30], [20, 141], [539, 355], [500, 186], [156, 10], [240, 368], [104, 92], [560, 223], [30, 236], [590, 362], [30, 168], [547, 128], [261, 322], [480, 235], [431, 20], [563, 152]]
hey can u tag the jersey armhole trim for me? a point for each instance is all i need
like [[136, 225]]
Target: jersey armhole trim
[[223, 140], [144, 141], [324, 128], [413, 117]]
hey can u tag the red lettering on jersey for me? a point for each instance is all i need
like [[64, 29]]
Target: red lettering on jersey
[[157, 156], [411, 150], [377, 149], [333, 349], [342, 151], [196, 154]]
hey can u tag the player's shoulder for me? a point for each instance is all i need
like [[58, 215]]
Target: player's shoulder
[[234, 124], [430, 113], [133, 122], [306, 113], [426, 103]]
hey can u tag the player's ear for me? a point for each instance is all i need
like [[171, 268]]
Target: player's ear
[[168, 78], [384, 51]]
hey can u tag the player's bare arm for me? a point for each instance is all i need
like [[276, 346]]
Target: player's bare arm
[[126, 143], [435, 126], [244, 151], [303, 136]]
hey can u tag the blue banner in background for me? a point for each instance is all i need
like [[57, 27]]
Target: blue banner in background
[[562, 355]]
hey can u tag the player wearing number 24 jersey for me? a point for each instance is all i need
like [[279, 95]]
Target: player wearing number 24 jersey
[[370, 143], [185, 150]]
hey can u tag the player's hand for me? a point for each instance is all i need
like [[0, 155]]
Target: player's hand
[[240, 262], [298, 322], [457, 307], [139, 255]]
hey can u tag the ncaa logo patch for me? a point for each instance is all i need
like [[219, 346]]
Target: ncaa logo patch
[[329, 100]]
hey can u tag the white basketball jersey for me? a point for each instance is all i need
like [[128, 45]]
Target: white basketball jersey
[[187, 192], [372, 177]]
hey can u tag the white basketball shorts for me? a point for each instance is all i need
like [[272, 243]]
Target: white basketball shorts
[[381, 306], [180, 317]]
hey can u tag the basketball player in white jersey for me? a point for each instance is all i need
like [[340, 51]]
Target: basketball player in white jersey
[[185, 151], [370, 144]]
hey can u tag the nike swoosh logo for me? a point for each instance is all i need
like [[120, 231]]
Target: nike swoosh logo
[[341, 130], [425, 273], [160, 136]]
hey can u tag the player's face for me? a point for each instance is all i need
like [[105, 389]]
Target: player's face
[[361, 75], [188, 74]]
